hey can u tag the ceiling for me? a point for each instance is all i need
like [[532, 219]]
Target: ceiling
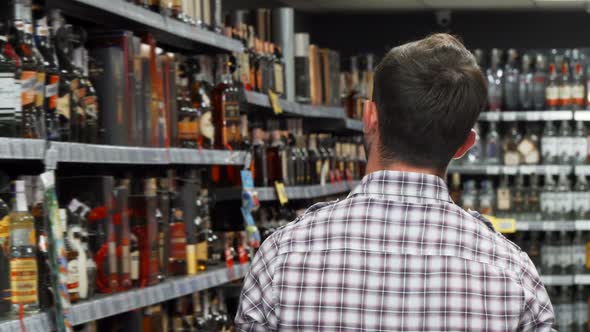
[[417, 5]]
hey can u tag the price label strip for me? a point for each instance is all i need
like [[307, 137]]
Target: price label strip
[[275, 103], [503, 225], [281, 193]]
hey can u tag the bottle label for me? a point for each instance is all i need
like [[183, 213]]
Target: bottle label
[[177, 241], [581, 312], [63, 106], [202, 251], [552, 95], [504, 199], [279, 81], [23, 280], [8, 93], [231, 129], [126, 260], [40, 89], [579, 149], [548, 148], [511, 158], [565, 94], [51, 91], [579, 255], [188, 128], [28, 80], [90, 108], [191, 259], [207, 128], [578, 94], [73, 278], [135, 265]]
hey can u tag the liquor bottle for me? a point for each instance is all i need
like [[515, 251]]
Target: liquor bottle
[[163, 221], [88, 101], [533, 198], [469, 198], [153, 5], [565, 140], [525, 84], [456, 187], [534, 251], [259, 157], [278, 70], [510, 147], [188, 116], [10, 94], [548, 203], [529, 147], [201, 228], [579, 253], [78, 59], [577, 88], [151, 253], [201, 91], [30, 67], [566, 259], [504, 198], [88, 277], [580, 144], [539, 83], [511, 76], [519, 198], [563, 198], [45, 46], [43, 263], [273, 153], [73, 241], [549, 249], [581, 198], [67, 81], [302, 90], [23, 262], [564, 309], [5, 304], [474, 155], [549, 145], [226, 119], [492, 145], [314, 159], [177, 264], [581, 308], [552, 89], [487, 198], [565, 88], [495, 78]]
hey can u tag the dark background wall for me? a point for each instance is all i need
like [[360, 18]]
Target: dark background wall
[[355, 33]]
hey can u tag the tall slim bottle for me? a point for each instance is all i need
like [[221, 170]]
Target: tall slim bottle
[[539, 83], [10, 102], [23, 262], [495, 77], [525, 84], [511, 75], [45, 46], [552, 89], [5, 304]]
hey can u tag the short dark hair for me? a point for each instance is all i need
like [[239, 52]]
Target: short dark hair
[[429, 94]]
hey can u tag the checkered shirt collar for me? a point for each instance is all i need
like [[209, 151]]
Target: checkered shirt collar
[[404, 184]]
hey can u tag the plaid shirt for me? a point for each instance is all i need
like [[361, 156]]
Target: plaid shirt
[[396, 255]]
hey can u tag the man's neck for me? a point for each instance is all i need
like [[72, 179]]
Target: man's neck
[[373, 166]]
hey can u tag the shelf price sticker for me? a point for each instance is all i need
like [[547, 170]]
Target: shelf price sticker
[[281, 193], [503, 225], [275, 103]]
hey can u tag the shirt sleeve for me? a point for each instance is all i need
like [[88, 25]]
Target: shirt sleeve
[[256, 310], [537, 313]]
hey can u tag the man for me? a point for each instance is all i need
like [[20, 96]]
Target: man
[[398, 254]]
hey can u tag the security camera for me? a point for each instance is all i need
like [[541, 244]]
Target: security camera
[[443, 18]]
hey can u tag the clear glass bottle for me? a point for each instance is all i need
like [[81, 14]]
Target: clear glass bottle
[[581, 308], [495, 78], [580, 144], [565, 88], [511, 156], [563, 198], [525, 84], [549, 144], [539, 82], [548, 203], [577, 88], [10, 95], [581, 198], [565, 140], [492, 146], [45, 46], [552, 89], [534, 199], [470, 197], [302, 86], [487, 198], [23, 262], [511, 76]]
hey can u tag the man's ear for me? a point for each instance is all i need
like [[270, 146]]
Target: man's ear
[[370, 117], [468, 144]]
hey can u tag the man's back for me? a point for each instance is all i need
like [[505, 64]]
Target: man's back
[[396, 255]]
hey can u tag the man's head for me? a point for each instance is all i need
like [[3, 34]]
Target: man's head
[[427, 96]]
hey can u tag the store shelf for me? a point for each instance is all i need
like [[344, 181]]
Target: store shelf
[[307, 192], [545, 225], [108, 154], [528, 116], [293, 108], [169, 30], [21, 148], [510, 170], [110, 305], [582, 279], [208, 157], [582, 116], [557, 280]]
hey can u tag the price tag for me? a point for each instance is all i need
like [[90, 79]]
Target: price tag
[[492, 169], [281, 193], [510, 170], [533, 116], [275, 103], [549, 226], [504, 225], [492, 116], [582, 225]]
